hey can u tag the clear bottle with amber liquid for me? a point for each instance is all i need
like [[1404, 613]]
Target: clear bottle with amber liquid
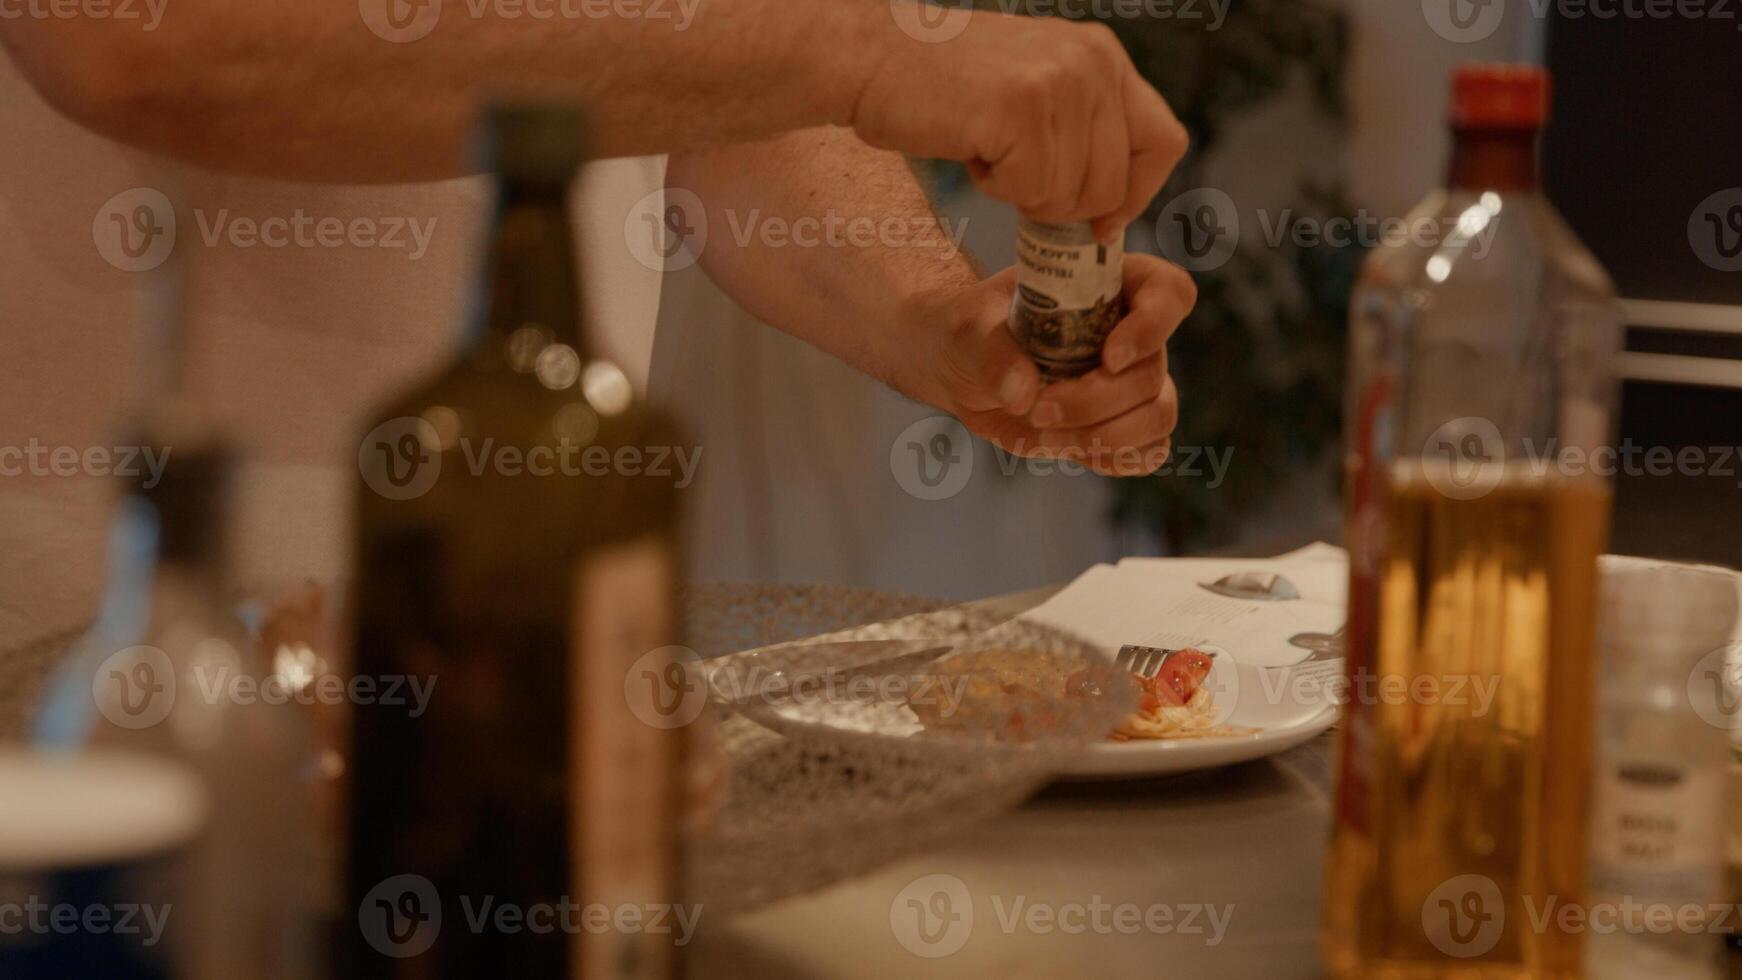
[[1482, 353], [511, 558]]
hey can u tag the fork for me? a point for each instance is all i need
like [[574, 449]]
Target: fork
[[1146, 661]]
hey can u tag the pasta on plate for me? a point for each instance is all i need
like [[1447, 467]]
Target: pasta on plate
[[1176, 704]]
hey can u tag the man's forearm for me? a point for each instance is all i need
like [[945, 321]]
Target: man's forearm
[[1049, 114], [308, 90], [823, 237]]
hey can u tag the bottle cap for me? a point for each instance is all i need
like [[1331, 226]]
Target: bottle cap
[[1495, 96], [533, 143], [189, 492]]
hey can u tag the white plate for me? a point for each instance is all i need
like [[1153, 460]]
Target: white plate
[[1285, 711], [1140, 760], [1284, 705]]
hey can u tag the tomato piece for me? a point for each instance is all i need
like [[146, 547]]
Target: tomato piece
[[1158, 693], [1177, 680], [1184, 672]]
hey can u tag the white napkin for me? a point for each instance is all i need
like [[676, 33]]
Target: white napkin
[[1294, 604]]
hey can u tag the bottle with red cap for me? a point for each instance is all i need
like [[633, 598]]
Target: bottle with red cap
[[1480, 408]]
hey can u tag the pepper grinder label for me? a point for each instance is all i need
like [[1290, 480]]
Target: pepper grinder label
[[1068, 295]]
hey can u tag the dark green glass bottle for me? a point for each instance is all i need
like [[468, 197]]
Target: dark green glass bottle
[[513, 549]]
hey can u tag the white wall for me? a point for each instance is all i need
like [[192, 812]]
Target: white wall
[[1399, 75]]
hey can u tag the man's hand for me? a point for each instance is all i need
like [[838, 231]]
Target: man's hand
[[1116, 419], [1049, 115], [919, 317]]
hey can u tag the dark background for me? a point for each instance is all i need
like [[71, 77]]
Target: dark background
[[1645, 127]]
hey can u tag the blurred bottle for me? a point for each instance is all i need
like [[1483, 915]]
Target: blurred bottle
[[1663, 749], [168, 669], [1481, 380], [513, 554]]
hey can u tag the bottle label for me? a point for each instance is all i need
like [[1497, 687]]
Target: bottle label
[[1367, 488], [1658, 818], [1067, 299], [625, 816]]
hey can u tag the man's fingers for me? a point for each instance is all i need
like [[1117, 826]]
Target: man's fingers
[[1102, 194], [1144, 425], [1021, 170], [1120, 461], [987, 370], [1016, 437], [1143, 462], [1136, 461], [1084, 136], [1158, 296], [1072, 119], [1158, 144], [1010, 433], [1099, 396]]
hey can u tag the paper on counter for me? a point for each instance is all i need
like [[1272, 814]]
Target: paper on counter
[[1171, 604], [1319, 571]]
